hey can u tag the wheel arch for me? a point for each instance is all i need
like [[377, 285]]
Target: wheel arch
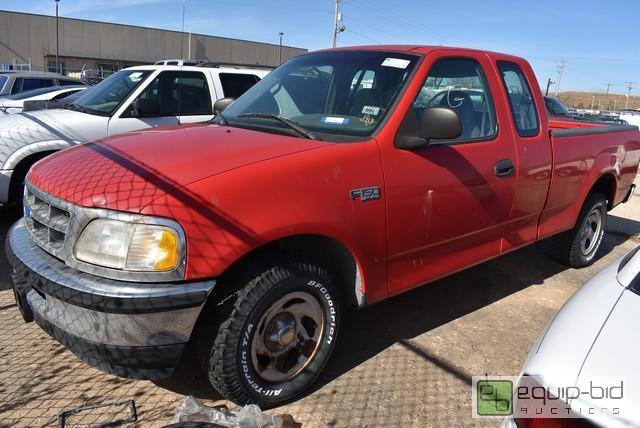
[[606, 184], [20, 170], [312, 248]]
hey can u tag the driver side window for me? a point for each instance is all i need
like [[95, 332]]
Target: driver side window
[[459, 84], [178, 93]]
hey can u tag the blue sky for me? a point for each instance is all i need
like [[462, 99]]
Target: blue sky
[[599, 40]]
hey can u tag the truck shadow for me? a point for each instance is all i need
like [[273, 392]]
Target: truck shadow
[[368, 332]]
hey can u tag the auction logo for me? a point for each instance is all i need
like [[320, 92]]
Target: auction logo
[[598, 398]]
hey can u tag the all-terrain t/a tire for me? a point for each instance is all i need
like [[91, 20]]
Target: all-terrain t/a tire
[[278, 337], [577, 247]]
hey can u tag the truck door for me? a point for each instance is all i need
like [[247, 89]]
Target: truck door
[[448, 203], [172, 94], [533, 148]]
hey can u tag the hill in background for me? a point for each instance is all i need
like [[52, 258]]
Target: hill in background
[[607, 102]]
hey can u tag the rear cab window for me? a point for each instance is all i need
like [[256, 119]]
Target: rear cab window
[[523, 107], [236, 84]]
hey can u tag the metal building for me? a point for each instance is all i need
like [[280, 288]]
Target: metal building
[[31, 39]]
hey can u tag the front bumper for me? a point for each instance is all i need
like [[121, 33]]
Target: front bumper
[[136, 330]]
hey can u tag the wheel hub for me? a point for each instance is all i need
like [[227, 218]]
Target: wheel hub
[[288, 336], [280, 331], [591, 232]]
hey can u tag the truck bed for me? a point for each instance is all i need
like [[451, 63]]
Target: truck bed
[[581, 155]]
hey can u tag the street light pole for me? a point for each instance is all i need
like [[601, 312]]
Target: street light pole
[[57, 40], [281, 34]]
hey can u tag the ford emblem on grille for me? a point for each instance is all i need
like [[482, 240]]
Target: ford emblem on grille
[[27, 212]]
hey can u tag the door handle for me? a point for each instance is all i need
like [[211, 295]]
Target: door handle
[[504, 168]]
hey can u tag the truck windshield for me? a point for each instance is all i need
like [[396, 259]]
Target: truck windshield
[[345, 93], [107, 95]]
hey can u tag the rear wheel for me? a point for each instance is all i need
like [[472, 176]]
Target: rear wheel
[[278, 337], [578, 247]]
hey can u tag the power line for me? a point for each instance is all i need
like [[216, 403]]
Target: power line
[[364, 37], [389, 15]]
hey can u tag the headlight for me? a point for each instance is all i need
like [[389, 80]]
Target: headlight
[[129, 246]]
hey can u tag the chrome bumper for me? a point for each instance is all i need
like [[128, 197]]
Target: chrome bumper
[[117, 317]]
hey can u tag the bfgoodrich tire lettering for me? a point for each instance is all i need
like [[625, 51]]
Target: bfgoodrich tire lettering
[[233, 371]]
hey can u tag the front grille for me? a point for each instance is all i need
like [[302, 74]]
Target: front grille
[[47, 220]]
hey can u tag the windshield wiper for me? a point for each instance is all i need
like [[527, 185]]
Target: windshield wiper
[[290, 123]]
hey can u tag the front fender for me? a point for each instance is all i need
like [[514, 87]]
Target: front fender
[[236, 212]]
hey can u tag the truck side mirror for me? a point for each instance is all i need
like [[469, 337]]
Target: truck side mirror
[[145, 108], [436, 123], [222, 104]]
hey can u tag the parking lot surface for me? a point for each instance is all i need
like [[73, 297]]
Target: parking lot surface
[[405, 362]]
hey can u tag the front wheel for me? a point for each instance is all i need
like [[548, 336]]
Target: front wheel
[[278, 337], [577, 247]]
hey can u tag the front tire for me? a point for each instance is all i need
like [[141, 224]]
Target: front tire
[[578, 247], [278, 337]]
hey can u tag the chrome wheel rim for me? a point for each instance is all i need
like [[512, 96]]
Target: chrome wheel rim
[[287, 337], [591, 230]]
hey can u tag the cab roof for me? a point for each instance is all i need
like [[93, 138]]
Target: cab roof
[[420, 49]]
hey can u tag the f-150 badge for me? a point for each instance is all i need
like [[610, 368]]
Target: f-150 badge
[[365, 193]]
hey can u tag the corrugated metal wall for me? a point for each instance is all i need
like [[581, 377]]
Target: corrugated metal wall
[[24, 36]]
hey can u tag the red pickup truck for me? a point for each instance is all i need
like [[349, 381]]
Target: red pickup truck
[[343, 177]]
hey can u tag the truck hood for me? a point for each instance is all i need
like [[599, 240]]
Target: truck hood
[[128, 171]]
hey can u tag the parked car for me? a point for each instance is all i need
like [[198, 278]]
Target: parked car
[[16, 82], [33, 105], [559, 114], [131, 99], [592, 338], [313, 190], [15, 103], [631, 116]]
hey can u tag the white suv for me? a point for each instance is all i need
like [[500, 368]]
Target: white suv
[[131, 99]]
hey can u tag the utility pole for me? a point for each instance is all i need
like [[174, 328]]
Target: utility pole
[[549, 83], [593, 101], [57, 40], [561, 66], [280, 34], [338, 26], [609, 85], [630, 86]]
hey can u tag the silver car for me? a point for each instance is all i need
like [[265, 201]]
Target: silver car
[[590, 349]]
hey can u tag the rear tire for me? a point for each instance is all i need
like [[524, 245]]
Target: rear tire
[[578, 247], [278, 337]]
